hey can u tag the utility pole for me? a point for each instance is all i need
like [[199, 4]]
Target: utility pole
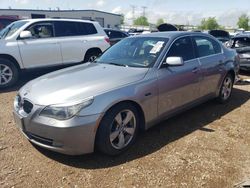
[[133, 12], [144, 11]]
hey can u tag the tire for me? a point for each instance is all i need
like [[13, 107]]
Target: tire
[[226, 89], [91, 55], [115, 135], [8, 73]]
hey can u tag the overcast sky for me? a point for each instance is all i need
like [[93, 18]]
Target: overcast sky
[[172, 11]]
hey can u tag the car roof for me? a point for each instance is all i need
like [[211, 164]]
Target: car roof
[[172, 34], [58, 19]]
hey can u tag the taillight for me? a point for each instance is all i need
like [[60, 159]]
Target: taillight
[[107, 40]]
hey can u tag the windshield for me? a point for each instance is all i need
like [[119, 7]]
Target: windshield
[[11, 29], [134, 52]]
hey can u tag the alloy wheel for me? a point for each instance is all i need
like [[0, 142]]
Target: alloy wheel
[[227, 88], [92, 58], [6, 74], [123, 129]]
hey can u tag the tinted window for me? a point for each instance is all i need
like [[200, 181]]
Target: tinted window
[[182, 48], [241, 42], [42, 30], [116, 34], [74, 29], [206, 46], [86, 28], [64, 29]]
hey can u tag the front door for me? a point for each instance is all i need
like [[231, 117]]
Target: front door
[[179, 85], [42, 49]]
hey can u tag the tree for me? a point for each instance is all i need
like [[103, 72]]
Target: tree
[[243, 22], [142, 20], [159, 22], [209, 24]]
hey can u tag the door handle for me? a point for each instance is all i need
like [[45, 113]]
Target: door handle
[[195, 70]]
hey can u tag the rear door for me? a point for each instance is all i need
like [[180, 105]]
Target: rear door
[[42, 49], [212, 63], [75, 39], [179, 85]]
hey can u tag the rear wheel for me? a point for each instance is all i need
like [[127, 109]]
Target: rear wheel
[[226, 89], [8, 73], [91, 55], [118, 129]]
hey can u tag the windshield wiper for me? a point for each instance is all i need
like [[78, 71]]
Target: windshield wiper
[[118, 64]]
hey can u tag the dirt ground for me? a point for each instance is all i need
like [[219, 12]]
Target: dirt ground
[[207, 146]]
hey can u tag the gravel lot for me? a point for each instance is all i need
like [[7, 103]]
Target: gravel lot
[[207, 146]]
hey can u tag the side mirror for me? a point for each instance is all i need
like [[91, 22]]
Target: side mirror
[[174, 61], [25, 35]]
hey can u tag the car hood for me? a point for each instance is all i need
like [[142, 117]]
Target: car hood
[[79, 82]]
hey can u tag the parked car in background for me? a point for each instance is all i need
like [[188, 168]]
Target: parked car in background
[[221, 35], [6, 20], [36, 43], [241, 43], [132, 86], [133, 32], [115, 35]]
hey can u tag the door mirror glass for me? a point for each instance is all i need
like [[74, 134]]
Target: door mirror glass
[[174, 61], [25, 35]]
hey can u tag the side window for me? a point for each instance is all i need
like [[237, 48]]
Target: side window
[[182, 48], [65, 28], [241, 42], [206, 46], [117, 34], [42, 30], [86, 28]]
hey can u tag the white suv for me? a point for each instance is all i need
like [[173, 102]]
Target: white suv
[[37, 43]]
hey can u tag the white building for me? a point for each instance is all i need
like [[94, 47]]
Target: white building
[[105, 19]]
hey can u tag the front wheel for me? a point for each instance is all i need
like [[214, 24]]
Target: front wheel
[[118, 129], [8, 73], [226, 89]]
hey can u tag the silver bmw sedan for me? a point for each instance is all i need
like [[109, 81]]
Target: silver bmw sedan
[[132, 86]]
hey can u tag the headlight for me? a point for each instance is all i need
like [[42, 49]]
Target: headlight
[[65, 111]]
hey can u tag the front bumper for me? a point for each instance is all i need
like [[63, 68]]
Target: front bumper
[[75, 136]]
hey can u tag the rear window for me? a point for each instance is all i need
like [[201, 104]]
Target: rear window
[[86, 28], [67, 28], [241, 42], [115, 34]]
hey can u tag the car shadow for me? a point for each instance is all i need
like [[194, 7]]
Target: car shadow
[[159, 136]]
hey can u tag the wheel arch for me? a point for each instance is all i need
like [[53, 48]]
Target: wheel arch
[[230, 71], [135, 104], [12, 59], [93, 49]]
